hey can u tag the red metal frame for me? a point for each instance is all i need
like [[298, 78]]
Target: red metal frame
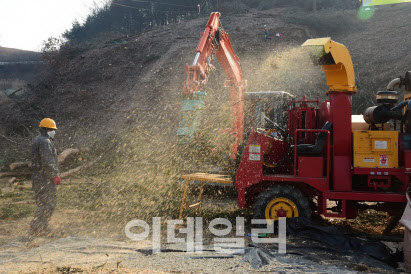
[[250, 179], [250, 173], [296, 121], [328, 148], [380, 180]]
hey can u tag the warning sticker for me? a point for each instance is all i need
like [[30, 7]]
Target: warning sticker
[[255, 148], [254, 151], [380, 144], [369, 160], [383, 160], [254, 157]]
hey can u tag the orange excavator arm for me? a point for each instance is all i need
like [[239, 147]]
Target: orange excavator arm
[[215, 41]]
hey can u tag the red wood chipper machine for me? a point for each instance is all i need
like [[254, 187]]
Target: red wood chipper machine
[[320, 153]]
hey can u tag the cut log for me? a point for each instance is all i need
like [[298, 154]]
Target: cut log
[[67, 153], [71, 171], [62, 175], [14, 174], [11, 181], [77, 169], [15, 165]]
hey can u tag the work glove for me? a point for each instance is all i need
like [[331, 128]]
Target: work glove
[[57, 180]]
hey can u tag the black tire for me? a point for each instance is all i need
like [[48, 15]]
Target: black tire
[[281, 191]]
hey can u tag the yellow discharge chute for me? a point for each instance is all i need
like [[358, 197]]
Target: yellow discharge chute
[[335, 61]]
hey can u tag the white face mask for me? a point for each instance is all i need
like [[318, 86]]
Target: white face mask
[[51, 134]]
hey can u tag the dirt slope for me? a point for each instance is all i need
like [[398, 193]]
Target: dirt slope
[[380, 52], [138, 83], [115, 86]]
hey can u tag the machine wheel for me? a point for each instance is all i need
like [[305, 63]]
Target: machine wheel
[[281, 201]]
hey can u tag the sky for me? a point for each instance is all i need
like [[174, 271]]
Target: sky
[[25, 24]]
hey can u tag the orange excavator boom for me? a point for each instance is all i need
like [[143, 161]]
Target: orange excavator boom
[[214, 42]]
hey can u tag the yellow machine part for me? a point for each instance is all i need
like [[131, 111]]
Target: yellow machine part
[[407, 97], [336, 63], [375, 149], [367, 3], [358, 123], [288, 206]]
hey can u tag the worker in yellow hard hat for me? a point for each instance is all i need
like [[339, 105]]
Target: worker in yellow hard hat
[[266, 34], [45, 176]]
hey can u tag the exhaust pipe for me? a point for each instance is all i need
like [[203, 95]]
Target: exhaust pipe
[[401, 81], [394, 83]]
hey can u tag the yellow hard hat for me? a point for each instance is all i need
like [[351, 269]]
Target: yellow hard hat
[[48, 123]]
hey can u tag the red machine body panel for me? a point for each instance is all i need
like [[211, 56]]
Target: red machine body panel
[[407, 161], [312, 167], [341, 106]]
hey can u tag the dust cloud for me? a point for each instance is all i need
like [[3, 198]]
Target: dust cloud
[[291, 70]]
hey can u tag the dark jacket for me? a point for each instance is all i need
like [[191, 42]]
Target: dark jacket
[[44, 160]]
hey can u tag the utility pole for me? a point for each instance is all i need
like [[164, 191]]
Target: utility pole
[[315, 6]]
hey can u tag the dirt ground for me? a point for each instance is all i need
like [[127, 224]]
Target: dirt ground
[[82, 242]]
